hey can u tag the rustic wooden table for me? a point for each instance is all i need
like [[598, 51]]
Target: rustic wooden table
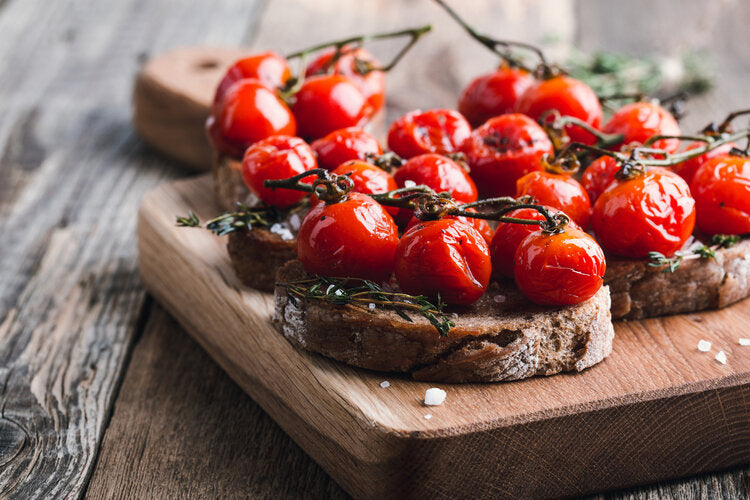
[[101, 393]]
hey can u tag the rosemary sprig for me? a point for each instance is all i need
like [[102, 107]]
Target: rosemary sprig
[[363, 293], [671, 264], [228, 222]]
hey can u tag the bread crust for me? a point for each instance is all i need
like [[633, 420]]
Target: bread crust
[[501, 337], [642, 291], [229, 186]]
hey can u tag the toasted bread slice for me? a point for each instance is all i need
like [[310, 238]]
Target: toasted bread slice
[[228, 184], [501, 337], [641, 291]]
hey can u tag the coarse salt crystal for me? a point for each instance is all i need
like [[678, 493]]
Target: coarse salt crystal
[[427, 417], [330, 287], [704, 346], [409, 183], [499, 298], [282, 231], [385, 384], [294, 222], [339, 292], [434, 396], [371, 305], [744, 341], [721, 357]]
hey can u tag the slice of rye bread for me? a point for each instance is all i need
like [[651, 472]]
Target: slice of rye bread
[[641, 291], [501, 337], [228, 184], [258, 254]]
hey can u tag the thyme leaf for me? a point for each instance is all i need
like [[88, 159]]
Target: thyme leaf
[[190, 221], [658, 259], [363, 293], [671, 264], [725, 240]]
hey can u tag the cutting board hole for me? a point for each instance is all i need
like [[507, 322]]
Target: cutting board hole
[[207, 64]]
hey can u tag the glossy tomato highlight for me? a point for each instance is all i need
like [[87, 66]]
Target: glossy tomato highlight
[[721, 188], [435, 131], [440, 173], [558, 191]]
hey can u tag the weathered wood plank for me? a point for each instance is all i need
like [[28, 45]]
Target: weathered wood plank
[[72, 175], [182, 429]]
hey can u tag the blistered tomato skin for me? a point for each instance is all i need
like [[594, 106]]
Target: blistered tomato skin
[[435, 131], [688, 168], [559, 269], [651, 212], [372, 84], [345, 144], [440, 173], [446, 257], [329, 102], [268, 67], [353, 238], [721, 188], [570, 97], [248, 112], [277, 157], [598, 176], [507, 237], [493, 94], [639, 121], [480, 225], [502, 151], [367, 178], [558, 191]]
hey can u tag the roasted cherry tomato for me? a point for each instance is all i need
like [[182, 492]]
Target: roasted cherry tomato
[[268, 67], [367, 178], [435, 131], [570, 97], [721, 188], [248, 112], [503, 150], [598, 176], [440, 173], [353, 238], [508, 235], [329, 102], [493, 94], [446, 257], [277, 157], [480, 225], [345, 144], [639, 121], [559, 269], [350, 63], [688, 168], [558, 191], [651, 212]]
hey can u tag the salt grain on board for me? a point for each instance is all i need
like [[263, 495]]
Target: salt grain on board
[[721, 357], [385, 384], [427, 417], [744, 341], [434, 396], [704, 346]]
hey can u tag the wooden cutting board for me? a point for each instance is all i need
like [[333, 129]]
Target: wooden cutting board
[[656, 408]]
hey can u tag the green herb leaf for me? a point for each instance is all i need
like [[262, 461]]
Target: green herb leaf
[[725, 240], [190, 221], [658, 259]]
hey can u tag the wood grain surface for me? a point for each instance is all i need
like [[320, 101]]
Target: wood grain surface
[[72, 173], [657, 408]]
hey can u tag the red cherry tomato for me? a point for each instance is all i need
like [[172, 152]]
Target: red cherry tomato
[[440, 173], [493, 94], [480, 225], [503, 150], [639, 121], [570, 97], [508, 235], [277, 157], [688, 168], [651, 212], [248, 112], [352, 238], [446, 257], [558, 191], [372, 83], [367, 178], [268, 67], [598, 176], [435, 131], [721, 188], [329, 102], [343, 145], [559, 269]]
